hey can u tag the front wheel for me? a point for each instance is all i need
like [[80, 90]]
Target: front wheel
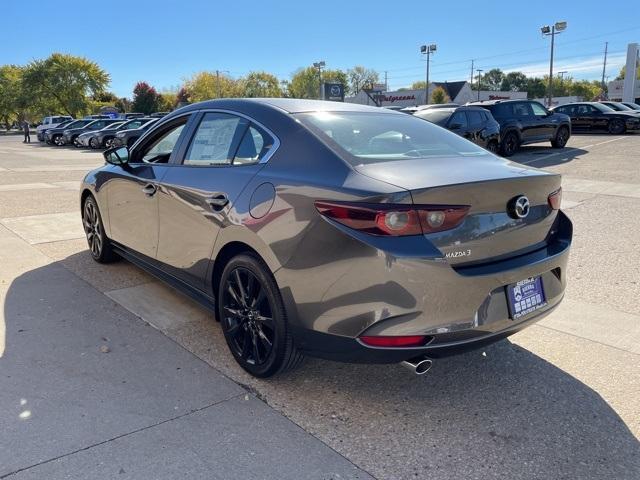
[[509, 144], [562, 137], [253, 318], [109, 143], [94, 143], [616, 126], [99, 244], [58, 140]]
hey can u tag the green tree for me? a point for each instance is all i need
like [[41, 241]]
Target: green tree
[[145, 98], [207, 85], [123, 104], [359, 77], [64, 83], [623, 71], [438, 95], [182, 97], [11, 94], [419, 85], [535, 87], [166, 101], [305, 83], [514, 82], [260, 84], [492, 80], [587, 90]]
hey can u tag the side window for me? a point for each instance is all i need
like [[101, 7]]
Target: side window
[[213, 141], [160, 149], [459, 119], [591, 109], [538, 110], [253, 147], [475, 118], [522, 110], [502, 110]]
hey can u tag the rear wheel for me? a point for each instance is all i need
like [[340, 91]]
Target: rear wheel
[[253, 319], [99, 244], [510, 144], [58, 140], [94, 143], [562, 137], [617, 126]]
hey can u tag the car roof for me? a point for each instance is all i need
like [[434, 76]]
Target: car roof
[[289, 105]]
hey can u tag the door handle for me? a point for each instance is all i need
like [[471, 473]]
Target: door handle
[[150, 189], [217, 201]]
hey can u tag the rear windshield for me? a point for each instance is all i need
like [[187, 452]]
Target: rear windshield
[[363, 138], [439, 116]]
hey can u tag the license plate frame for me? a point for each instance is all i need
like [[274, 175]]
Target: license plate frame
[[525, 297]]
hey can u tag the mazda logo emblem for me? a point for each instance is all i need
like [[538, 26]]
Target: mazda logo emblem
[[335, 90], [519, 207]]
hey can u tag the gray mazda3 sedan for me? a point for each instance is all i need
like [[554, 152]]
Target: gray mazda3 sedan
[[334, 230]]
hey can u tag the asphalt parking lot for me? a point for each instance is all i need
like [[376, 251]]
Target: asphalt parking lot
[[86, 385]]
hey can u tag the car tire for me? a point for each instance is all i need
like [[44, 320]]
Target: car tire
[[75, 142], [94, 143], [108, 142], [510, 144], [58, 141], [493, 146], [99, 245], [616, 126], [561, 138], [253, 318]]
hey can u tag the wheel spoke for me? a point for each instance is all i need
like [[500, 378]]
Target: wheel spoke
[[264, 338], [233, 294], [243, 295], [259, 298], [233, 329], [255, 350], [267, 321]]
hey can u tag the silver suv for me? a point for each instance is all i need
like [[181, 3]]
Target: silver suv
[[50, 122]]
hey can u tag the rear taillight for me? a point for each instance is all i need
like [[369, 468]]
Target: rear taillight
[[395, 341], [394, 219], [555, 199]]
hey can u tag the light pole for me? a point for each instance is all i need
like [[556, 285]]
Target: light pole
[[427, 50], [319, 65], [552, 31], [479, 70], [561, 74]]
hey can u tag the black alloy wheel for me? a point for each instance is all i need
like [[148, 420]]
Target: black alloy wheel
[[99, 244], [94, 143], [253, 318], [108, 142], [510, 144], [616, 126], [562, 137], [58, 140]]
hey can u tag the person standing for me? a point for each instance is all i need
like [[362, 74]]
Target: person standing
[[25, 128]]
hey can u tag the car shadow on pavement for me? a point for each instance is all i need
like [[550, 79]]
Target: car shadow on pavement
[[548, 157], [506, 413]]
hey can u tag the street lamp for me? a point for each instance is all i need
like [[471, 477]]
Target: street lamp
[[427, 50], [552, 31], [479, 70], [319, 65]]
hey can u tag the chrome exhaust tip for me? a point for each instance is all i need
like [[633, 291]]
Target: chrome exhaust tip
[[418, 365]]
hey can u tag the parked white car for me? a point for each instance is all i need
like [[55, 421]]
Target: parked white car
[[50, 122]]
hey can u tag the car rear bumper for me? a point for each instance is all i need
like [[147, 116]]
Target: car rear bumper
[[456, 308]]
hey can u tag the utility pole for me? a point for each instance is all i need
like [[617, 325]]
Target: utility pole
[[319, 65], [552, 31], [427, 50], [479, 70], [217, 83], [604, 68], [386, 85], [471, 78]]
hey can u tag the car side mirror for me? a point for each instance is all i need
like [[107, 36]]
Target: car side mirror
[[117, 156]]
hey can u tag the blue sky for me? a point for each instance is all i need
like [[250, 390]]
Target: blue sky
[[162, 42]]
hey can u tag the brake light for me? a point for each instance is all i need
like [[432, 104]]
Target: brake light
[[394, 219], [395, 341], [555, 199]]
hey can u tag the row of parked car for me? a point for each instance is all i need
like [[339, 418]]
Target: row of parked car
[[502, 126], [92, 132]]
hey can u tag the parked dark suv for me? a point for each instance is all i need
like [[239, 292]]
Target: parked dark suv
[[473, 123], [526, 121]]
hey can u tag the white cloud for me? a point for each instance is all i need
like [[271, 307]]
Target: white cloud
[[577, 68]]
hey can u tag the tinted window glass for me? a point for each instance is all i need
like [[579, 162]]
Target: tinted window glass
[[458, 120], [475, 118], [439, 116], [253, 147], [211, 144], [502, 110], [522, 110], [362, 138]]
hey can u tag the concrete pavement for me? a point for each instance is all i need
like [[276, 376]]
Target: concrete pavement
[[558, 400]]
